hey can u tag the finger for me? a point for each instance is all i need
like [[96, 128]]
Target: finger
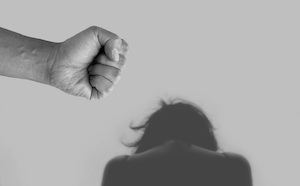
[[113, 45], [116, 47], [101, 84], [96, 94], [110, 73], [124, 48], [103, 35], [112, 48], [103, 59]]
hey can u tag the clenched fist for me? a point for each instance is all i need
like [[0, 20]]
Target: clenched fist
[[88, 64]]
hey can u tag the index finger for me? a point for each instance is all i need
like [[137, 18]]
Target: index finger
[[103, 35], [103, 59]]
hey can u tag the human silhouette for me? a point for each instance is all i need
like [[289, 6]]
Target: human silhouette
[[178, 148]]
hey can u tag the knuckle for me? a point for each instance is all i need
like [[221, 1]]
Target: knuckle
[[116, 72], [125, 44], [122, 62], [93, 27]]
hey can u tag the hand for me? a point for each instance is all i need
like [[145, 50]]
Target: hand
[[89, 64]]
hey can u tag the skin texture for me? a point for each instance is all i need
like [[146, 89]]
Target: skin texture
[[88, 64]]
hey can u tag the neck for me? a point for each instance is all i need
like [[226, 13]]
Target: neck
[[175, 141]]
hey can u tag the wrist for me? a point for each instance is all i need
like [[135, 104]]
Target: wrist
[[25, 57], [50, 60], [39, 60]]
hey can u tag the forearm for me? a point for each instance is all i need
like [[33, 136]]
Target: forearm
[[24, 57]]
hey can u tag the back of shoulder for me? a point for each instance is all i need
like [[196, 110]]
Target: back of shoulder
[[239, 169], [117, 162], [237, 160], [114, 169]]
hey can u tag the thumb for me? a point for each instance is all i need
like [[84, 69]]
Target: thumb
[[112, 48]]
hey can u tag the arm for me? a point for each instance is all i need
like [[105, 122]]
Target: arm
[[24, 57], [87, 64]]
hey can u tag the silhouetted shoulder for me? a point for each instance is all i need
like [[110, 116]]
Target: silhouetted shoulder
[[238, 161], [114, 171], [239, 168], [117, 161]]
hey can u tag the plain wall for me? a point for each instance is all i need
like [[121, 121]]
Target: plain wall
[[239, 60]]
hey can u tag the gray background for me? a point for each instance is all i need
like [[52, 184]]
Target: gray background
[[238, 60]]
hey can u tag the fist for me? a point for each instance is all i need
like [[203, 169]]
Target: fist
[[89, 64]]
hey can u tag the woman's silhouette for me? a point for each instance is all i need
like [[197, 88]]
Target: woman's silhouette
[[178, 147]]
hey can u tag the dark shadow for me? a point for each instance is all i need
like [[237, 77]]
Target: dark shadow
[[178, 148]]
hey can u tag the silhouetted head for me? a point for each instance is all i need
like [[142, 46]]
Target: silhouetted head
[[176, 120]]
